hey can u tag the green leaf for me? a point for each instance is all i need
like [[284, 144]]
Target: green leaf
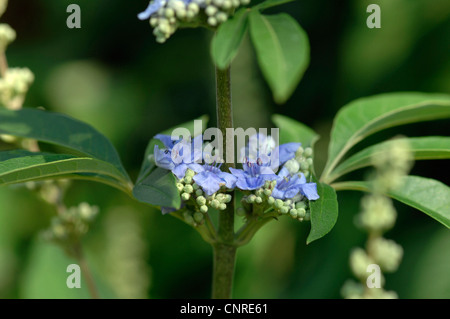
[[156, 186], [158, 189], [294, 131], [324, 212], [366, 116], [282, 49], [61, 130], [22, 166], [228, 38], [270, 3], [425, 194], [423, 148]]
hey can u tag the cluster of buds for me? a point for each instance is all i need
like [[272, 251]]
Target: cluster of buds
[[14, 82], [377, 216], [198, 201], [166, 16], [262, 200], [70, 225], [14, 85]]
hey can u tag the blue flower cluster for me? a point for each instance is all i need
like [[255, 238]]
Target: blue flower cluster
[[206, 185]]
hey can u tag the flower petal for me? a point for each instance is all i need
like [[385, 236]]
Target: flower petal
[[162, 159], [287, 151], [230, 180], [310, 191], [152, 8], [209, 182], [180, 170]]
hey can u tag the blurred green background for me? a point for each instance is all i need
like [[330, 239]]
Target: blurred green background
[[112, 74]]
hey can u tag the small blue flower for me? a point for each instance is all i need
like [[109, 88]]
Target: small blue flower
[[212, 178], [253, 175], [179, 155], [264, 147], [289, 186], [153, 7]]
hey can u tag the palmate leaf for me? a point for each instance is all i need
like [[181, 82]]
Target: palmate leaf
[[366, 116], [23, 166], [423, 148], [425, 194]]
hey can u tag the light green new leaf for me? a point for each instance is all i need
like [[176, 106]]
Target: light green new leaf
[[22, 166], [228, 38], [324, 212], [270, 3], [425, 194], [294, 131], [61, 130], [282, 49], [423, 148], [366, 116]]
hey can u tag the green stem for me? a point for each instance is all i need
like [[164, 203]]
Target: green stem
[[223, 271], [224, 250], [93, 291]]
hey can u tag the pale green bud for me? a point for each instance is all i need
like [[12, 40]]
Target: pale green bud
[[222, 206], [215, 203], [299, 152], [154, 22], [87, 212], [245, 2], [258, 200], [227, 198], [271, 200], [359, 261], [212, 21], [267, 192], [301, 212], [284, 210], [308, 152], [386, 253], [199, 192], [201, 200], [188, 180], [188, 189], [169, 13], [204, 209], [293, 213], [251, 199], [221, 17], [193, 7], [7, 35], [279, 203], [210, 10], [185, 196], [292, 166], [227, 4]]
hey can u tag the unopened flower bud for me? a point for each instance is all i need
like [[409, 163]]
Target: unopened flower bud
[[185, 196]]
